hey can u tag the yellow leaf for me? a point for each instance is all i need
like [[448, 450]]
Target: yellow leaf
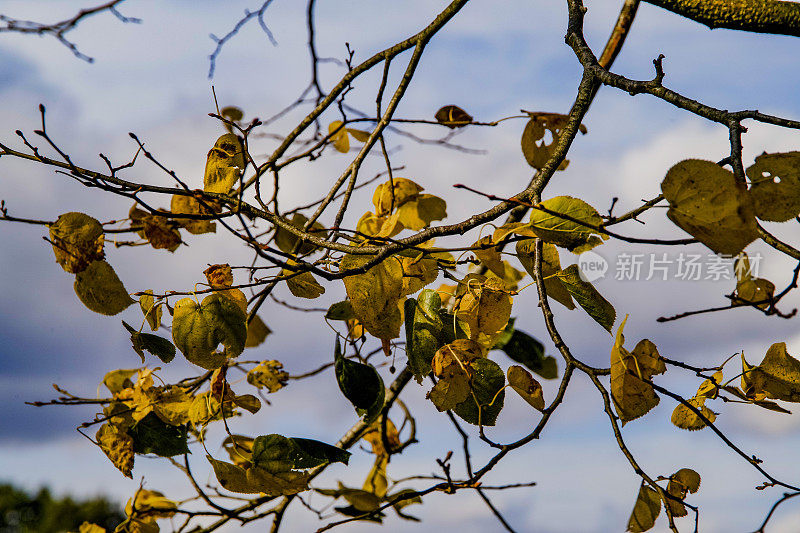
[[633, 396], [157, 230], [526, 386], [489, 255], [485, 308], [359, 135], [685, 418], [418, 213], [418, 272], [683, 481], [152, 313], [77, 241], [278, 483], [237, 296], [239, 448], [535, 148], [269, 375], [339, 138], [150, 504], [224, 165], [376, 479], [286, 240], [375, 295], [392, 194], [99, 288], [187, 205], [232, 477], [450, 390], [375, 439], [518, 228], [755, 291], [257, 331], [304, 285], [706, 201], [118, 447], [775, 186], [551, 265], [710, 387], [574, 236], [173, 406], [645, 511], [778, 375]]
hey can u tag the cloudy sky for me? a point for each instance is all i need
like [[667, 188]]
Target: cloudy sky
[[493, 60]]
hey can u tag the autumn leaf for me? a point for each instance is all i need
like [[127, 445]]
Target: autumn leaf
[[775, 186], [453, 117], [683, 481], [392, 194], [526, 386], [645, 510], [418, 213], [588, 297], [224, 165], [99, 288], [118, 447], [304, 285], [286, 241], [219, 276], [374, 437], [152, 313], [706, 201], [151, 504], [576, 237], [535, 148], [551, 265], [777, 377], [375, 295], [257, 332], [339, 136], [188, 205], [423, 330], [197, 330], [633, 396], [684, 418], [77, 241], [485, 309], [269, 375]]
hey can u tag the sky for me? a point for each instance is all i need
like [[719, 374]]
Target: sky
[[492, 60]]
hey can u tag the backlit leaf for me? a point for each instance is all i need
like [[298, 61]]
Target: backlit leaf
[[645, 511], [633, 396], [340, 311], [257, 331], [286, 240], [152, 313], [77, 241], [118, 447], [375, 295], [99, 288], [706, 201], [529, 352], [197, 330], [526, 386], [418, 213], [269, 375], [535, 148], [778, 375], [188, 205], [685, 418], [775, 186], [150, 503], [551, 265], [339, 136], [224, 165], [486, 399], [153, 435], [574, 236], [304, 286]]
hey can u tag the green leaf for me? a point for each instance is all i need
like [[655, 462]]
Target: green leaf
[[198, 329], [361, 384], [587, 297], [340, 311], [707, 202], [452, 328], [153, 435], [99, 288], [529, 352], [487, 385], [423, 331], [232, 477], [568, 234], [158, 346], [276, 453]]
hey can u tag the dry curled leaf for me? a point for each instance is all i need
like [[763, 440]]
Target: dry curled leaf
[[77, 241], [453, 117]]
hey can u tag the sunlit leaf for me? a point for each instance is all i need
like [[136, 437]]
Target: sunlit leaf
[[224, 165], [551, 265], [257, 331], [775, 186], [778, 375], [152, 313], [197, 330], [269, 375], [485, 401], [706, 201], [645, 511], [286, 240], [418, 213], [375, 294], [339, 136], [304, 285], [535, 148], [188, 205], [150, 503], [118, 447], [392, 194], [548, 224], [99, 288], [77, 241], [631, 393], [683, 481], [684, 418], [526, 386]]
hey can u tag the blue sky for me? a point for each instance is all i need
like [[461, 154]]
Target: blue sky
[[493, 60]]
